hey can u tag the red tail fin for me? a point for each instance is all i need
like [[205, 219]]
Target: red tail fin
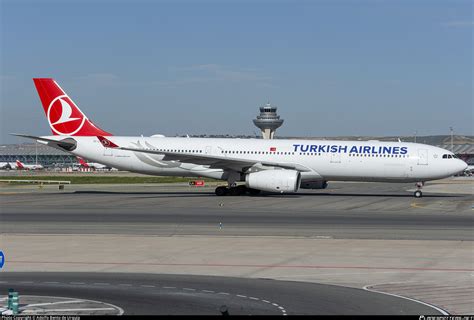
[[82, 162], [64, 117], [19, 165]]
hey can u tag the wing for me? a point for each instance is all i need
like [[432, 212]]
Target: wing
[[221, 162], [213, 161]]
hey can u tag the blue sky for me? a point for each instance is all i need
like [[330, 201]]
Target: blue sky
[[176, 67]]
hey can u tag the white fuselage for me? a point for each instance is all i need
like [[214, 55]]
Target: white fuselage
[[325, 159]]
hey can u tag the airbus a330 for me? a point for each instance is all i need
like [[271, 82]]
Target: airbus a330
[[282, 165]]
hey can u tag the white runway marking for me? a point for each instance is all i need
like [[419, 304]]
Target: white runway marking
[[51, 303], [368, 288], [69, 310]]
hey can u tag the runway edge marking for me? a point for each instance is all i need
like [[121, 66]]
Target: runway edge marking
[[443, 312]]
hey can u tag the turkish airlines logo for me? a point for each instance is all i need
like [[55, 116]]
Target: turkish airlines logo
[[63, 118]]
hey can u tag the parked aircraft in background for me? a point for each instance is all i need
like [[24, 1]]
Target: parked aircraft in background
[[469, 170], [269, 165], [21, 166], [93, 165], [5, 166]]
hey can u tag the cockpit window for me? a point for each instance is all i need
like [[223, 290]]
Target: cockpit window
[[450, 156]]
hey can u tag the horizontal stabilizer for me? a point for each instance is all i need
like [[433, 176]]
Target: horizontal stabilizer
[[67, 144]]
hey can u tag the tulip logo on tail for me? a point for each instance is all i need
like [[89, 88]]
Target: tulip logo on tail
[[19, 165], [107, 143], [63, 118]]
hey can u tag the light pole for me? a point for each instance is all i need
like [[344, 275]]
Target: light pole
[[416, 132], [452, 148]]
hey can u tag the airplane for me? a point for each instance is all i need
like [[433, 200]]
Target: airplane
[[21, 166], [282, 166], [92, 165], [5, 166], [469, 170]]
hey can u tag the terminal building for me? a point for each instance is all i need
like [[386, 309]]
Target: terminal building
[[36, 153]]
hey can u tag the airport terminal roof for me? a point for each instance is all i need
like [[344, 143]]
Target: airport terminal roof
[[29, 149]]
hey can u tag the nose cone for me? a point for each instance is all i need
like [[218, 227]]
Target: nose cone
[[460, 166]]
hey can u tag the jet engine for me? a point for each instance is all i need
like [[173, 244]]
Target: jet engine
[[274, 180], [317, 184]]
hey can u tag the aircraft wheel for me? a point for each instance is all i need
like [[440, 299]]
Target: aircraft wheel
[[221, 191], [253, 192], [236, 191], [241, 190], [418, 194]]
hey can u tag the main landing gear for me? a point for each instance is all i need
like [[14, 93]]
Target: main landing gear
[[236, 191], [418, 193]]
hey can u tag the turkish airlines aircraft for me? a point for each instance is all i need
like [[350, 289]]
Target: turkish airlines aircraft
[[269, 165], [21, 166]]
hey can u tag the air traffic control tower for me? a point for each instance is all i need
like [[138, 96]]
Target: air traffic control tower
[[268, 121]]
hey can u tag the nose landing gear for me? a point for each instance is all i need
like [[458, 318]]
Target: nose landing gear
[[418, 193]]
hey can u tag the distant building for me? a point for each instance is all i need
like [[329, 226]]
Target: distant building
[[31, 153], [268, 121]]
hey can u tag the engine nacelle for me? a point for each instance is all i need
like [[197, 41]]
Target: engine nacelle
[[318, 184], [274, 180]]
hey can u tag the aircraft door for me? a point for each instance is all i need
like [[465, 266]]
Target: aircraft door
[[422, 156], [208, 150]]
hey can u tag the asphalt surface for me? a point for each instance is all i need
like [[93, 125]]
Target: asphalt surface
[[344, 211], [262, 232], [204, 295]]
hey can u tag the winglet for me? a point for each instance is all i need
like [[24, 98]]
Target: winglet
[[106, 142]]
